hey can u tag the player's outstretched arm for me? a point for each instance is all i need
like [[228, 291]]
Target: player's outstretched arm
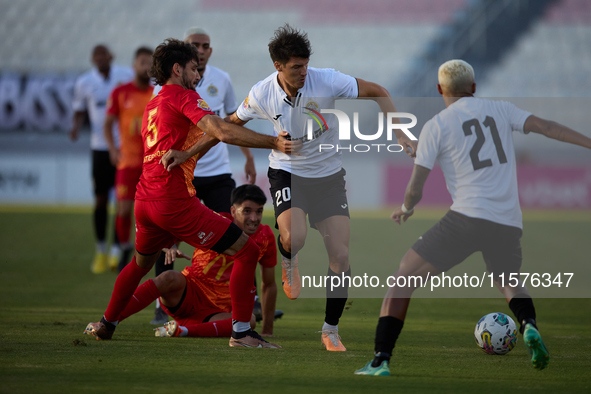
[[217, 130], [556, 131], [382, 97], [234, 134], [413, 194]]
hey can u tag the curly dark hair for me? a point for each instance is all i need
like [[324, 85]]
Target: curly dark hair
[[248, 192], [287, 43], [168, 53]]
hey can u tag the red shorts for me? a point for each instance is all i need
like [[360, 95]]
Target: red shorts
[[197, 305], [161, 223], [126, 180]]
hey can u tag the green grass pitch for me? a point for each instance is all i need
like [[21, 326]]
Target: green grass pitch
[[48, 295]]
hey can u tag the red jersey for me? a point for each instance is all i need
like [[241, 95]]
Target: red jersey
[[127, 103], [211, 270], [170, 122]]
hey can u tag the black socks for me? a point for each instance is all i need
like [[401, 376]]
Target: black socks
[[522, 307]]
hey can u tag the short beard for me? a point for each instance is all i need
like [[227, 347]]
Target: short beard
[[187, 84]]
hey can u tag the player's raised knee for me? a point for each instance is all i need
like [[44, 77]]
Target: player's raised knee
[[169, 281], [292, 243]]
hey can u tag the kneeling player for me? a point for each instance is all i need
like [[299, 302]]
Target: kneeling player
[[198, 299]]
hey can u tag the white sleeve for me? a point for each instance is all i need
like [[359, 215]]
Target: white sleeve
[[250, 109], [230, 104], [79, 99], [156, 90], [344, 85], [428, 148], [516, 116]]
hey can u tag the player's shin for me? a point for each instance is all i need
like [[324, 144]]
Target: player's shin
[[125, 285], [241, 284], [387, 332], [337, 291], [143, 296], [523, 308]]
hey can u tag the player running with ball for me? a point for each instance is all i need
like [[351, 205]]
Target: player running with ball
[[473, 143]]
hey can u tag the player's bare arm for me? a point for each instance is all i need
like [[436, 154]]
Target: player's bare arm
[[413, 194], [108, 131], [232, 134], [173, 158], [77, 122], [233, 118], [556, 131], [249, 168], [268, 299], [374, 91]]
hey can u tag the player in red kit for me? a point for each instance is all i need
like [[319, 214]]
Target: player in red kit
[[198, 299], [165, 208]]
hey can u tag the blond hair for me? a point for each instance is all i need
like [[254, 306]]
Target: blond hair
[[456, 76]]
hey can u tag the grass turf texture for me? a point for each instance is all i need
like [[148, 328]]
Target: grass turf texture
[[49, 295]]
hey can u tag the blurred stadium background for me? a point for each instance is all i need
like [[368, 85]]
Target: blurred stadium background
[[537, 53]]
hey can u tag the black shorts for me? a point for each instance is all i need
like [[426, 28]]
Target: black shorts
[[320, 198], [215, 191], [455, 237], [103, 172]]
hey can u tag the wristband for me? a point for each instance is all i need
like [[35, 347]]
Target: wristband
[[404, 210]]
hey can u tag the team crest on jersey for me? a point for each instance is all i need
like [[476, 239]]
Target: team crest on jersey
[[245, 102], [203, 105], [212, 90], [313, 105]]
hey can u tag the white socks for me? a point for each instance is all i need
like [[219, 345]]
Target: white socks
[[101, 247], [240, 326], [184, 331]]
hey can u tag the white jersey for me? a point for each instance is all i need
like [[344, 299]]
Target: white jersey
[[215, 87], [91, 93], [268, 100], [472, 141]]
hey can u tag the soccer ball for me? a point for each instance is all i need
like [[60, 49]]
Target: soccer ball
[[496, 333]]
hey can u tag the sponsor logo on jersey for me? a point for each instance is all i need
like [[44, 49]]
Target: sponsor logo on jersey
[[207, 238], [212, 90], [203, 105], [311, 110]]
